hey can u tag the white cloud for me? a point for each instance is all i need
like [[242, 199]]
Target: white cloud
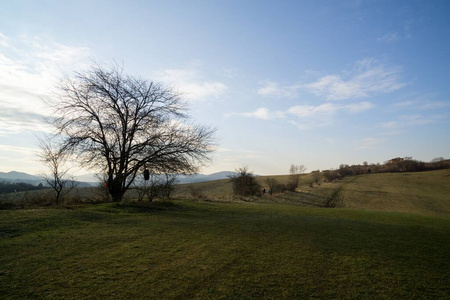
[[271, 88], [366, 78], [262, 113], [190, 83]]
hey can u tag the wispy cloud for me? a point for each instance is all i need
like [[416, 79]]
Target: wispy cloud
[[405, 103], [306, 116], [404, 122], [191, 84], [370, 143], [271, 88], [389, 37], [358, 107], [29, 70], [366, 78], [15, 121], [4, 41], [414, 120], [16, 149], [306, 111], [260, 113], [19, 159], [422, 102]]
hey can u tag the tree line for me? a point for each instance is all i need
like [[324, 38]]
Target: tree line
[[406, 164], [8, 187]]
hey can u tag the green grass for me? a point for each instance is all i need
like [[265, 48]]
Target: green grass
[[419, 193], [185, 249]]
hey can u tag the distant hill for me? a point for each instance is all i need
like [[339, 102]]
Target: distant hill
[[91, 179], [183, 179], [16, 177]]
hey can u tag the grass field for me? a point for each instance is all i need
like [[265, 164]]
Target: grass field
[[419, 193], [387, 237], [186, 249], [426, 193]]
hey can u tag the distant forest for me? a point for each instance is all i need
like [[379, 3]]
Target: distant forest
[[8, 187]]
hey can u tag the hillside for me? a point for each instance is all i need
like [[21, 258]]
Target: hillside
[[419, 193]]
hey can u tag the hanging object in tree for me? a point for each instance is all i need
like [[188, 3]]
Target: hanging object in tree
[[146, 174]]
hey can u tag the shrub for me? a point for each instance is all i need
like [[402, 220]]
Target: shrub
[[244, 183]]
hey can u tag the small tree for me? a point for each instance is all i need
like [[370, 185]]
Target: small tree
[[150, 188], [244, 183], [168, 184], [271, 183], [316, 176], [295, 172], [330, 175], [55, 158]]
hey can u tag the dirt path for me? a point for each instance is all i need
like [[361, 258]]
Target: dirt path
[[338, 196]]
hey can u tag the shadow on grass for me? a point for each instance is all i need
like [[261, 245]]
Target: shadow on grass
[[149, 207]]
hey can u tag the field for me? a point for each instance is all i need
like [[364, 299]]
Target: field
[[425, 193], [274, 248]]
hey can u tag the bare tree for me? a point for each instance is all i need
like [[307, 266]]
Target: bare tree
[[121, 124], [271, 183], [294, 176], [150, 188], [54, 158], [168, 184]]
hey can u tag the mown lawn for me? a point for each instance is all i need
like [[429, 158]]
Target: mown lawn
[[185, 249]]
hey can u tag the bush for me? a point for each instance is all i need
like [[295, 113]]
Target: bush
[[244, 183], [331, 175]]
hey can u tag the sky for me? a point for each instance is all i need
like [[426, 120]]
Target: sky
[[319, 83]]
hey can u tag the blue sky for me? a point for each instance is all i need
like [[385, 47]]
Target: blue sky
[[318, 83]]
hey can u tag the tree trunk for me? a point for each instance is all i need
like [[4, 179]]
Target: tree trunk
[[116, 192]]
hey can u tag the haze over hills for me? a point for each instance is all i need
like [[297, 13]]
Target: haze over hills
[[14, 175], [92, 178], [181, 179]]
